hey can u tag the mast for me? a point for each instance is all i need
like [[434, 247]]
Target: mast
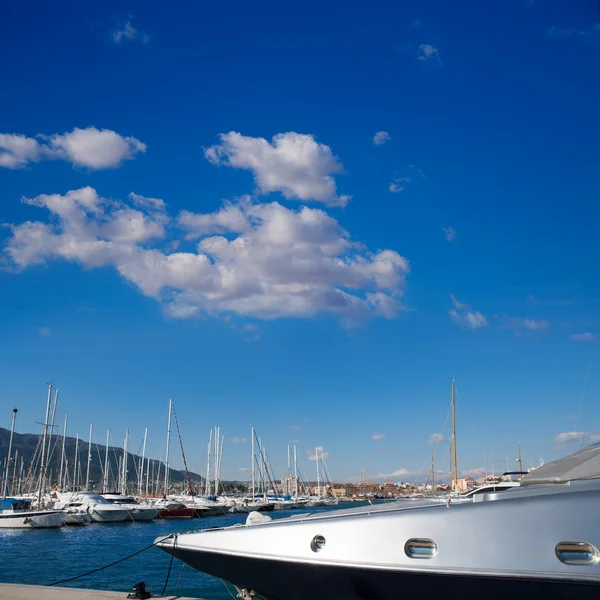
[[455, 468], [141, 469], [124, 479], [207, 478], [105, 474], [253, 481], [43, 457], [318, 479], [62, 455], [53, 413], [89, 460], [14, 477], [12, 430], [166, 488], [147, 474], [433, 471], [76, 461], [519, 459], [295, 473]]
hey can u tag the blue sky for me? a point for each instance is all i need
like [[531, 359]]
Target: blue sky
[[304, 219]]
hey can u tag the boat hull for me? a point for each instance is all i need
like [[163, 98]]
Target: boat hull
[[32, 520], [177, 513], [108, 516], [279, 580]]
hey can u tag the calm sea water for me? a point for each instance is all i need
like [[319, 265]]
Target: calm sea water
[[44, 556]]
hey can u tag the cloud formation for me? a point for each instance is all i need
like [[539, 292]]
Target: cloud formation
[[312, 454], [378, 436], [435, 439], [274, 262], [397, 473], [292, 163], [583, 337], [570, 438], [429, 53], [591, 35], [449, 234], [398, 184], [130, 33], [462, 315], [381, 137], [91, 148]]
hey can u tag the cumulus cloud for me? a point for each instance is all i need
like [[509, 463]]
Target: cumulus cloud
[[571, 438], [378, 436], [381, 137], [526, 326], [398, 184], [591, 35], [91, 148], [435, 439], [397, 473], [130, 33], [449, 234], [583, 337], [237, 440], [229, 219], [286, 263], [429, 53], [292, 163], [462, 315], [312, 454]]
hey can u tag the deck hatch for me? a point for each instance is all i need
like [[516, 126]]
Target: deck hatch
[[420, 548], [577, 553]]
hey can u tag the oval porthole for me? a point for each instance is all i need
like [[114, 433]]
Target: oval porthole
[[577, 553], [420, 548], [318, 543]]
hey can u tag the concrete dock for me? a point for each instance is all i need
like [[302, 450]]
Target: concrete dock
[[16, 591]]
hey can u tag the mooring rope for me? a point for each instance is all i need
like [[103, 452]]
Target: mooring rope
[[116, 562]]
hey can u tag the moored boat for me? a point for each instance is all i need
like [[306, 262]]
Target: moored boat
[[16, 513]]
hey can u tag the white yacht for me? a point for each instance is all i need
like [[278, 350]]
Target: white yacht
[[136, 511], [540, 539], [99, 509], [16, 513]]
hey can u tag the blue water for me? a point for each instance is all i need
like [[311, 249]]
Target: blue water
[[46, 556]]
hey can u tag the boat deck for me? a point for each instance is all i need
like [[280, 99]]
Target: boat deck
[[16, 591]]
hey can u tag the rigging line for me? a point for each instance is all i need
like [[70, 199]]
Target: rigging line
[[187, 472], [583, 392], [227, 588], [464, 404], [112, 564], [170, 565]]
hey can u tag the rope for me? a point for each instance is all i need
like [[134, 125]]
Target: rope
[[116, 562], [170, 565], [179, 580]]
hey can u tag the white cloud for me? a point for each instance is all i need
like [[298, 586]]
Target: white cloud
[[244, 469], [534, 325], [462, 315], [250, 327], [289, 263], [398, 184], [397, 473], [90, 147], [525, 326], [293, 164], [44, 331], [570, 438], [229, 219], [429, 53], [583, 337], [17, 151], [381, 137], [129, 32], [237, 440], [435, 439], [378, 436], [450, 234], [312, 454], [589, 36]]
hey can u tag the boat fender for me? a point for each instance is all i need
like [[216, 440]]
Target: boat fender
[[26, 520], [257, 517]]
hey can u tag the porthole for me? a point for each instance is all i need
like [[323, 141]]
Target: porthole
[[318, 543], [420, 548], [577, 553]]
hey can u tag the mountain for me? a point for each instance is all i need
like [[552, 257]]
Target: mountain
[[28, 446]]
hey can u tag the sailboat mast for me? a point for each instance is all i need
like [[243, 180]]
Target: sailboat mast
[[147, 474], [295, 474], [12, 430], [141, 469], [318, 479], [455, 468], [76, 461], [166, 488], [53, 413], [125, 452], [89, 459], [520, 461], [207, 478], [105, 470], [253, 481], [62, 455], [43, 457]]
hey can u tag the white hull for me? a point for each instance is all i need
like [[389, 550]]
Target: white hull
[[77, 518], [31, 520], [100, 515], [142, 514]]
